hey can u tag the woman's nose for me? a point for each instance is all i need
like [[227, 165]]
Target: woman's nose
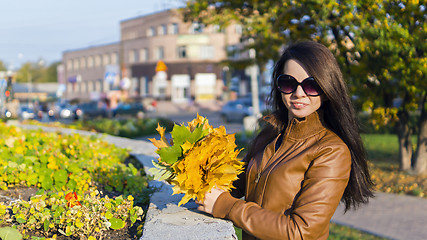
[[299, 92]]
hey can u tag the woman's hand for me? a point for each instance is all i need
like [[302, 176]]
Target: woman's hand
[[209, 201]]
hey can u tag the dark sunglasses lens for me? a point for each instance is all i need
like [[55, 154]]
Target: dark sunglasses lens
[[311, 87], [287, 84]]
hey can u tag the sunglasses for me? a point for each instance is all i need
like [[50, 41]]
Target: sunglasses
[[288, 84]]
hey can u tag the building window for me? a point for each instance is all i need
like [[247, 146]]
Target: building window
[[196, 28], [70, 65], [174, 29], [90, 62], [162, 29], [76, 64], [207, 52], [113, 58], [160, 53], [83, 63], [106, 59], [143, 55], [182, 52], [151, 31], [97, 61], [133, 56]]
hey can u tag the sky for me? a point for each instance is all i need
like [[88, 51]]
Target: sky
[[41, 30]]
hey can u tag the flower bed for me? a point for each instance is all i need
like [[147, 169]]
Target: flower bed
[[82, 186]]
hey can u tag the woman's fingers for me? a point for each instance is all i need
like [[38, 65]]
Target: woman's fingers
[[201, 208]]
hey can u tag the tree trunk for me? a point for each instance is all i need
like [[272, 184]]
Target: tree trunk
[[405, 143], [421, 154]]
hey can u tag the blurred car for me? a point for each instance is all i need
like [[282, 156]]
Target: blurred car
[[63, 110], [26, 112], [90, 110], [236, 110], [129, 109]]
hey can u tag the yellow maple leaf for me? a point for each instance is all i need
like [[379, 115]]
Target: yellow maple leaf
[[163, 142]]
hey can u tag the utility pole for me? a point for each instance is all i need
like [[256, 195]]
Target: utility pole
[[254, 83]]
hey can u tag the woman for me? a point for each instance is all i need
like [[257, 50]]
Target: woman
[[308, 157]]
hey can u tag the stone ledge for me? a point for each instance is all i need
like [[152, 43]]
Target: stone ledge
[[166, 220]]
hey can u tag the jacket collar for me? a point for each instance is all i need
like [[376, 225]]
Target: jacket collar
[[299, 128]]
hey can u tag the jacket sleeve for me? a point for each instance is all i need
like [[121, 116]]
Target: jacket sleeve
[[324, 183]]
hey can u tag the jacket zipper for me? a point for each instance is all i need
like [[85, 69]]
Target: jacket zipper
[[258, 177], [284, 138]]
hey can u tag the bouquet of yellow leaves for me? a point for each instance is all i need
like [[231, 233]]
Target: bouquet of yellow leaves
[[198, 158]]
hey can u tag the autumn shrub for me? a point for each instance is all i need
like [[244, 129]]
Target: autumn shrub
[[60, 165]]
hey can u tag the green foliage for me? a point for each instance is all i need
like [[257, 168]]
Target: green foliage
[[57, 164], [2, 66], [37, 72], [370, 125], [51, 214], [340, 232], [124, 128]]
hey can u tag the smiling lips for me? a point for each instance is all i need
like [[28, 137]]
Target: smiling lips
[[298, 105]]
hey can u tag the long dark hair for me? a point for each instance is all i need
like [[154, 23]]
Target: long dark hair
[[339, 114]]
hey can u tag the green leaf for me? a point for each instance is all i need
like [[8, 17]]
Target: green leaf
[[170, 154], [71, 184], [46, 225], [46, 172], [60, 176], [196, 135], [119, 200], [47, 183], [108, 215], [117, 223], [32, 179], [21, 220], [108, 205], [58, 211], [8, 233], [133, 218], [133, 169], [180, 134], [31, 158]]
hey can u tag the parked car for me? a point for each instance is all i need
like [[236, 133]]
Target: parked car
[[129, 109], [236, 110], [64, 111], [90, 110], [26, 112]]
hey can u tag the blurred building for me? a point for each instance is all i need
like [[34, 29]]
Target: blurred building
[[158, 56]]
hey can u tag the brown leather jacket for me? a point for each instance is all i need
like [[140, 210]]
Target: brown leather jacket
[[293, 192]]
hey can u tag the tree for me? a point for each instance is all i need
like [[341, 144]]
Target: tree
[[380, 45], [37, 72], [393, 65], [2, 66]]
